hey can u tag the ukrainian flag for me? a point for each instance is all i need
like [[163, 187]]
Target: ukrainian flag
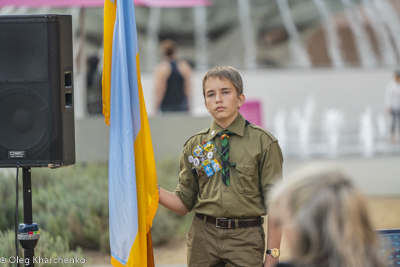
[[133, 194]]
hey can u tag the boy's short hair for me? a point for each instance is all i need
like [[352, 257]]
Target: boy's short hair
[[225, 73]]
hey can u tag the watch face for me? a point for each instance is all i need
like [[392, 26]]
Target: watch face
[[275, 253]]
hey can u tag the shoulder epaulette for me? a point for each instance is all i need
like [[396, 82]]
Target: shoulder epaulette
[[264, 131], [201, 132]]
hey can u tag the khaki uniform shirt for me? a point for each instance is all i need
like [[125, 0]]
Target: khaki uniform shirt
[[258, 159]]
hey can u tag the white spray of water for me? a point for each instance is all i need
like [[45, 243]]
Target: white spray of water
[[366, 133], [332, 125], [280, 128], [382, 126], [294, 120], [305, 127]]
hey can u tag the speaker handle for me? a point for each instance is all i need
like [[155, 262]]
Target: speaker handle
[[67, 91]]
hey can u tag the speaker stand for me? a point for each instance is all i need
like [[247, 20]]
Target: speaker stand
[[27, 196]]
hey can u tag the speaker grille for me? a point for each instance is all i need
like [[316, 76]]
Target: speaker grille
[[25, 120], [23, 51]]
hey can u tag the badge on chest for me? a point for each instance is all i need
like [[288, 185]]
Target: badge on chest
[[203, 161]]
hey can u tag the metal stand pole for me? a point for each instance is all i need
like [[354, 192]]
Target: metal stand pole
[[26, 177]]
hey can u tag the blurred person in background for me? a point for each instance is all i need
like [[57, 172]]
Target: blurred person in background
[[172, 80], [93, 85], [392, 103], [325, 220]]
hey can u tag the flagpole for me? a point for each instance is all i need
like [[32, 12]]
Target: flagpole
[[150, 253]]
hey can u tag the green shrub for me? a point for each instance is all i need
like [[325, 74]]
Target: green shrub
[[47, 248], [68, 202], [72, 203], [7, 201]]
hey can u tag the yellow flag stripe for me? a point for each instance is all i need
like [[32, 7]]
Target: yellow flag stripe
[[110, 10]]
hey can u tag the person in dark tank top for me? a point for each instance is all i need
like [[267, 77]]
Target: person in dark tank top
[[172, 81]]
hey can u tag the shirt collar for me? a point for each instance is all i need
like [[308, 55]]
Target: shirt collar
[[237, 126]]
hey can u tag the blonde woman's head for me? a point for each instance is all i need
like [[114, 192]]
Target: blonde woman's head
[[325, 218]]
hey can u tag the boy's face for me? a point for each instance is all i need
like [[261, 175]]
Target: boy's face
[[222, 101]]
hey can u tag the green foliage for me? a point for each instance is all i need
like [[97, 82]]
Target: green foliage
[[7, 201], [48, 248], [72, 204], [68, 202]]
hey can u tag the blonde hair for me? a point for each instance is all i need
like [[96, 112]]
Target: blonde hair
[[330, 216], [225, 73]]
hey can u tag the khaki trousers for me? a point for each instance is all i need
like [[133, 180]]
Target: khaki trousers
[[209, 246]]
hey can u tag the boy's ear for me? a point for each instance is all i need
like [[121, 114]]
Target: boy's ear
[[241, 100]]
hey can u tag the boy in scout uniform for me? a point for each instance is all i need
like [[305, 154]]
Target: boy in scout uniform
[[226, 173]]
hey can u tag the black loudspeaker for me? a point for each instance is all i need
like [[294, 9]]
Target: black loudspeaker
[[36, 91]]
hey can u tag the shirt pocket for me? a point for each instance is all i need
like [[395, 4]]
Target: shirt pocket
[[204, 182], [247, 182]]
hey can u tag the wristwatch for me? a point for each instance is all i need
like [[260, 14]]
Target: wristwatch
[[274, 252]]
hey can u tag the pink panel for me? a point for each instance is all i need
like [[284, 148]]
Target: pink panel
[[175, 3], [251, 110], [100, 3], [52, 3]]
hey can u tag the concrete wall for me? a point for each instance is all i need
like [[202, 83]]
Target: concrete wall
[[169, 133], [91, 139]]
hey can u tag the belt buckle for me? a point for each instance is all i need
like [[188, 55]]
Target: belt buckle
[[216, 221]]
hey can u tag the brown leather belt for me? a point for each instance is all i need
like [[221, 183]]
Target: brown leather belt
[[230, 223]]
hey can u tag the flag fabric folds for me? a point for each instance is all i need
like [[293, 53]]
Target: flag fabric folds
[[133, 194]]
